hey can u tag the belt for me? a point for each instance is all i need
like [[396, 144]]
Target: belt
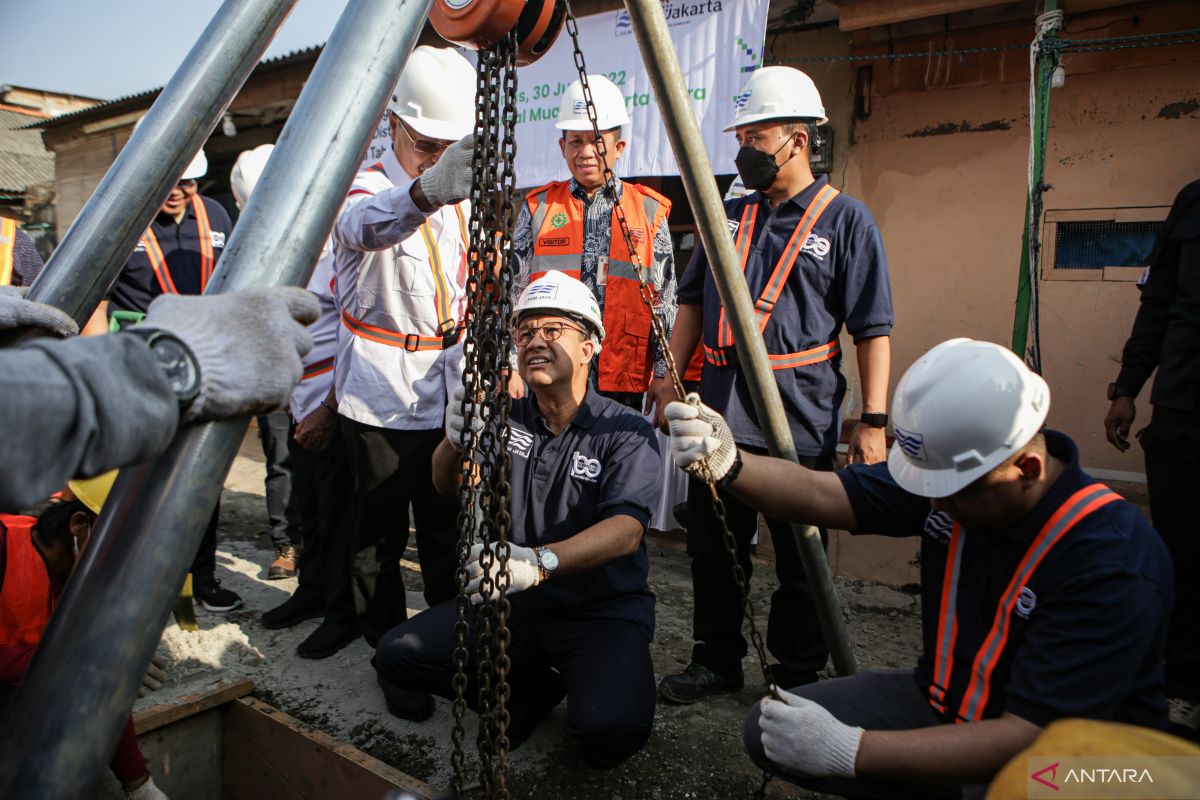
[[412, 342]]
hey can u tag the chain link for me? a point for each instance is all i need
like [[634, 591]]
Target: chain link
[[647, 294], [485, 493]]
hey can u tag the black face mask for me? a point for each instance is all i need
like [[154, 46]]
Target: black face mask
[[758, 169]]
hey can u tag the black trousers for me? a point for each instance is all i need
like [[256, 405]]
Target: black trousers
[[875, 700], [1172, 445], [283, 515], [794, 634], [324, 491], [204, 565], [393, 469], [602, 667]]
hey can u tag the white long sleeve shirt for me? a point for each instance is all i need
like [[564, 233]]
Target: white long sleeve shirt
[[319, 363], [385, 250]]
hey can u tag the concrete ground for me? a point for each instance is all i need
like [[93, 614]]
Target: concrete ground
[[694, 752]]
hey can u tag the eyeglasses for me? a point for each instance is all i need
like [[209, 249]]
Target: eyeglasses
[[549, 333], [430, 147], [187, 183]]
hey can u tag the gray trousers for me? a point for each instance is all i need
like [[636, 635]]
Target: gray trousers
[[880, 700]]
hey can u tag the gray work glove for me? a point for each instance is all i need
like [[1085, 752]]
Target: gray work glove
[[700, 439], [449, 180], [456, 424], [523, 571], [17, 312], [802, 736], [156, 675], [248, 345]]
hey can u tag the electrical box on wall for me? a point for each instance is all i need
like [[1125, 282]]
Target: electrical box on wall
[[821, 154]]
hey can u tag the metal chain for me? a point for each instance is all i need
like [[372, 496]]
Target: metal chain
[[647, 294], [484, 493]]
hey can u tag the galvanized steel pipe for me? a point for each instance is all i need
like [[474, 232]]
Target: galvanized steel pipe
[[658, 54], [99, 241], [62, 726]]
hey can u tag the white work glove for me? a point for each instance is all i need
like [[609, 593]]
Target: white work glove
[[156, 675], [523, 571], [456, 423], [17, 312], [449, 180], [147, 791], [700, 439], [248, 345], [803, 737]]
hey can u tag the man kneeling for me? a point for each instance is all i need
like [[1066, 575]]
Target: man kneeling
[[584, 479]]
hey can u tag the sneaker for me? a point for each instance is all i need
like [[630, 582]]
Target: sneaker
[[1184, 717], [215, 597], [697, 682], [329, 637], [297, 608], [284, 565]]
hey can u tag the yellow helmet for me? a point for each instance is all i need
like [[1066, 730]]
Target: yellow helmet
[[92, 492]]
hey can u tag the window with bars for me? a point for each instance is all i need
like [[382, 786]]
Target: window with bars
[[1099, 244]]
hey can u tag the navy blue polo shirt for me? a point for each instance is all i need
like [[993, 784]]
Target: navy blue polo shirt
[[840, 278], [136, 286], [605, 462], [1089, 630]]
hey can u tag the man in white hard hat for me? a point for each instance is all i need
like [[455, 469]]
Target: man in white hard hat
[[584, 483], [814, 261], [571, 226], [1044, 594], [400, 266], [274, 429], [177, 255]]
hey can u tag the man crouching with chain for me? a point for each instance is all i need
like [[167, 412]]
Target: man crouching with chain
[[584, 478]]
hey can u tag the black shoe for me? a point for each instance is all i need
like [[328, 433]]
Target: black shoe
[[215, 597], [297, 608], [788, 678], [681, 515], [409, 704], [697, 682], [329, 637]]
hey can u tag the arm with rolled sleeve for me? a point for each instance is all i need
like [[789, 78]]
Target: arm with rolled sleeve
[[371, 222], [77, 408]]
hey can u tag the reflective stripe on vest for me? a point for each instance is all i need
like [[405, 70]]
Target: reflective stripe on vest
[[317, 368], [27, 599], [764, 306], [557, 224], [8, 242], [158, 262], [975, 698], [446, 324]]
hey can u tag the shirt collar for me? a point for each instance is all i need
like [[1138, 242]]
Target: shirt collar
[[804, 197], [579, 194], [1072, 479], [395, 172], [589, 410]]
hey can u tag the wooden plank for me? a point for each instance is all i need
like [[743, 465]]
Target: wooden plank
[[857, 14], [277, 756], [156, 716]]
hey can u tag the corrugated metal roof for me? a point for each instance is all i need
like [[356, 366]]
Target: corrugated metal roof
[[134, 100], [24, 160]]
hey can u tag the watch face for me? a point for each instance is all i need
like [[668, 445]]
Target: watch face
[[178, 366], [549, 560]]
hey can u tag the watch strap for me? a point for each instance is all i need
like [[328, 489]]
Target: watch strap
[[875, 419]]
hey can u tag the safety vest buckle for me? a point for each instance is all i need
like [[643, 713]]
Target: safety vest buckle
[[412, 342], [451, 333], [729, 356]]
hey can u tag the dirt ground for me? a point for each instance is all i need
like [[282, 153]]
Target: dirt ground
[[694, 752]]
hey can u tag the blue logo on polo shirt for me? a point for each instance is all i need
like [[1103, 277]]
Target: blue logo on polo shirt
[[1026, 602], [519, 442], [938, 525], [584, 468], [913, 444]]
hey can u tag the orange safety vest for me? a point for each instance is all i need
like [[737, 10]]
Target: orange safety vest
[[724, 354], [8, 241], [158, 262], [975, 699], [448, 327], [626, 362], [26, 598]]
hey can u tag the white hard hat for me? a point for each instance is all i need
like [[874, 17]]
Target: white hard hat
[[959, 412], [197, 169], [436, 94], [246, 171], [557, 291], [606, 97], [777, 93]]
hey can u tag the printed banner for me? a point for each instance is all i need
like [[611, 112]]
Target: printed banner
[[718, 42]]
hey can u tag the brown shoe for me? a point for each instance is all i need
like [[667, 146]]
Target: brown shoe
[[284, 565]]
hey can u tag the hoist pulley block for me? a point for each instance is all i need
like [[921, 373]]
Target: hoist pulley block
[[481, 24]]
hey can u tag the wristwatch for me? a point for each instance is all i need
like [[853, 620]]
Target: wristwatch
[[547, 561], [875, 419], [176, 360], [1115, 390]]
